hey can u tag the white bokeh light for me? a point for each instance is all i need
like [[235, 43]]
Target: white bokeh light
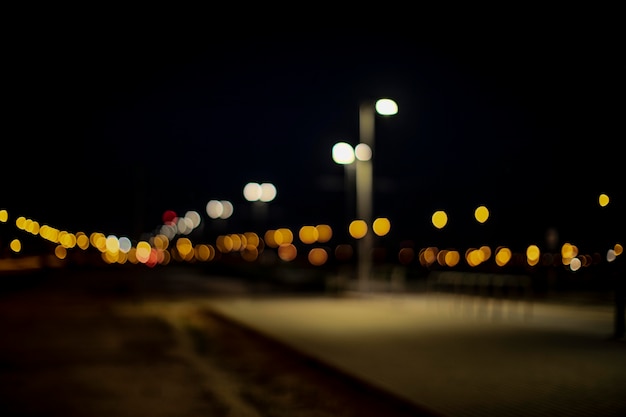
[[363, 152], [611, 255], [268, 192], [125, 244], [214, 209], [227, 209], [386, 107], [343, 153], [252, 191]]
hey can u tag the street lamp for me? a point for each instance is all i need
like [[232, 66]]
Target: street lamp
[[343, 154], [365, 180], [260, 194]]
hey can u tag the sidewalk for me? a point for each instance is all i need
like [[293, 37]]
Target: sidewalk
[[105, 344], [458, 356]]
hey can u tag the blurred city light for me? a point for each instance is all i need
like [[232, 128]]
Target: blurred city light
[[481, 214], [439, 219], [308, 234], [172, 241], [386, 107], [343, 153], [381, 226], [357, 229], [317, 256], [264, 192], [217, 209], [324, 233], [363, 152], [16, 245], [603, 200], [268, 192]]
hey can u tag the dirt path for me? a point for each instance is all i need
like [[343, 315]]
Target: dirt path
[[71, 355]]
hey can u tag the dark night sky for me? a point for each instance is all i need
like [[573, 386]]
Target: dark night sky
[[518, 115]]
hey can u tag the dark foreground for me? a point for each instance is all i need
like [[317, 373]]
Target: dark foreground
[[74, 351]]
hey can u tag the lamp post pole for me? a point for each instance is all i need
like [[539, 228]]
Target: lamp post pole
[[365, 182], [364, 195]]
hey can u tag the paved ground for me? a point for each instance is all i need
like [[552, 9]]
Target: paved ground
[[458, 356], [132, 352]]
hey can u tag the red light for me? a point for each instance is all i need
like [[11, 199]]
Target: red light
[[169, 217]]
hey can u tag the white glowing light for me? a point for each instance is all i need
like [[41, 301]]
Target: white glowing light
[[268, 192], [386, 107], [252, 191], [343, 153], [228, 209], [363, 152]]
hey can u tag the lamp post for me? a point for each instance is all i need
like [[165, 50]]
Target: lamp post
[[260, 195], [365, 181], [343, 154]]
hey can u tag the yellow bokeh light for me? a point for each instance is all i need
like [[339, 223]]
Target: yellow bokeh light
[[19, 222], [486, 250], [16, 245], [324, 232], [503, 256], [250, 253], [283, 236], [252, 239], [250, 245], [381, 226], [82, 241], [69, 240], [357, 229], [237, 243], [439, 219], [112, 244], [122, 257], [98, 241], [474, 257], [32, 227], [108, 257], [441, 257], [270, 238], [160, 242], [224, 243], [143, 251], [60, 252], [166, 257], [603, 200], [287, 252], [132, 256], [568, 251], [481, 214], [308, 234], [428, 256], [452, 258], [533, 254], [49, 233], [317, 256], [202, 253]]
